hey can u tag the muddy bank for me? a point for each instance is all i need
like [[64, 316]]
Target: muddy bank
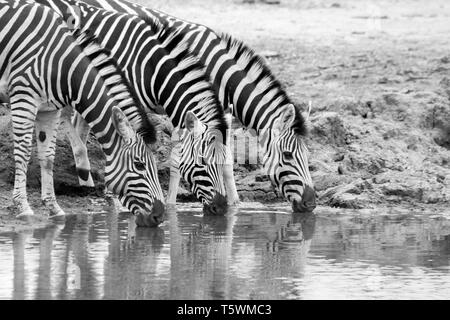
[[72, 204], [377, 77]]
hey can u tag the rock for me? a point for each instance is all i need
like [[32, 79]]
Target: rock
[[262, 178], [438, 117], [348, 196], [350, 201], [338, 157], [445, 59], [440, 178], [326, 180], [413, 143], [445, 84], [416, 189], [402, 190], [371, 163], [434, 198], [442, 138], [250, 189], [328, 128], [354, 107], [318, 165], [392, 133], [381, 179]]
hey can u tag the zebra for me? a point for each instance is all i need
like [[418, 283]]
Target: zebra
[[242, 79], [44, 70], [156, 63]]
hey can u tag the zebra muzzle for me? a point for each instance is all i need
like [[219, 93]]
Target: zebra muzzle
[[217, 207], [153, 219], [308, 202]]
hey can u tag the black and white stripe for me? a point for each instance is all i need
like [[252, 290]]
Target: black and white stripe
[[157, 64], [45, 70], [241, 78]]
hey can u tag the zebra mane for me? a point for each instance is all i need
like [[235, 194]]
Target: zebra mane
[[173, 42], [262, 76], [117, 83]]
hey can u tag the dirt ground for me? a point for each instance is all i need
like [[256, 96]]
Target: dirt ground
[[377, 74]]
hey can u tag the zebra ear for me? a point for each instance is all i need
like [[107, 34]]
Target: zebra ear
[[122, 125], [286, 119], [192, 123]]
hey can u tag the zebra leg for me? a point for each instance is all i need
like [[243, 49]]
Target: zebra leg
[[23, 116], [46, 128], [81, 126], [174, 174], [230, 183], [77, 133]]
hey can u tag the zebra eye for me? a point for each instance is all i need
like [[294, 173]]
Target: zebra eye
[[287, 155], [139, 165]]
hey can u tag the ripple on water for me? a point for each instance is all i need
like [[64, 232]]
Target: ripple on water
[[254, 252]]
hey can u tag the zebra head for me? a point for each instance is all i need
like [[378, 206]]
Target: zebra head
[[287, 159], [202, 158], [131, 173]]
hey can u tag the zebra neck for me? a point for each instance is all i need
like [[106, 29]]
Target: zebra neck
[[108, 28], [266, 131], [264, 140], [88, 95]]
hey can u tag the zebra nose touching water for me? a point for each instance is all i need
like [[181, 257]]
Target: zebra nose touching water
[[188, 67], [308, 202], [242, 79], [286, 158], [209, 150], [46, 70], [163, 73]]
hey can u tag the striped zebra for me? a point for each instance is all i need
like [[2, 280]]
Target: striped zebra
[[157, 64], [242, 79], [44, 70]]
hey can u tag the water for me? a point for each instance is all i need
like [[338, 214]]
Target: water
[[253, 253]]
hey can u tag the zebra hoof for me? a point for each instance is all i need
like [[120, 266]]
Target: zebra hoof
[[85, 178], [89, 184], [58, 214], [171, 205], [53, 208], [22, 209], [25, 214]]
